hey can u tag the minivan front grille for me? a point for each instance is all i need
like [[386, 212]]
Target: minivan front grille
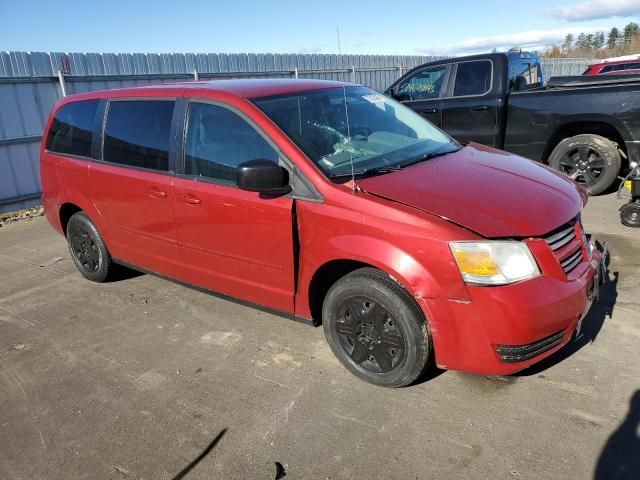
[[567, 243]]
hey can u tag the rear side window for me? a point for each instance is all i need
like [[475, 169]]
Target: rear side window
[[137, 133], [72, 127], [473, 78], [218, 140]]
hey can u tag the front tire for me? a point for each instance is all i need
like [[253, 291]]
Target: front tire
[[592, 161], [87, 248], [375, 329]]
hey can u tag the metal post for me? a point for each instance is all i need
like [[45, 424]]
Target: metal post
[[195, 74], [295, 72], [353, 74], [62, 84]]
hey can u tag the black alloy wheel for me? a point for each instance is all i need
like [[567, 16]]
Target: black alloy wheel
[[592, 161], [376, 329], [84, 247], [369, 334], [87, 248]]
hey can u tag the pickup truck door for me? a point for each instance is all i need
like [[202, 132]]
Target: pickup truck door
[[470, 111], [422, 92]]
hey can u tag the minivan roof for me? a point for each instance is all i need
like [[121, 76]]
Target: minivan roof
[[245, 88]]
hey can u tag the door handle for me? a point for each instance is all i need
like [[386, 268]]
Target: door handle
[[190, 199], [479, 108], [430, 110], [154, 192]]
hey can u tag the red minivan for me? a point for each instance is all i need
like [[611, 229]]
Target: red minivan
[[330, 203]]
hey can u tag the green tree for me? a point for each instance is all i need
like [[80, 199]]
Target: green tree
[[581, 42], [588, 41], [568, 43], [599, 41], [631, 30], [613, 38]]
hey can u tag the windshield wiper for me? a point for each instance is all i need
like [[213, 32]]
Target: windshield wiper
[[424, 157], [367, 172]]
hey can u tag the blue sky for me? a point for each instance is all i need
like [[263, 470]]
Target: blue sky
[[406, 27]]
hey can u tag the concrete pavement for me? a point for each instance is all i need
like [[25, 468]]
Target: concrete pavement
[[137, 378]]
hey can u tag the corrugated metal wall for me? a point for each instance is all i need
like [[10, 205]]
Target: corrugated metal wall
[[29, 87]]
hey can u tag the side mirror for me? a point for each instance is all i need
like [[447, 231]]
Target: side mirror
[[262, 176], [389, 92]]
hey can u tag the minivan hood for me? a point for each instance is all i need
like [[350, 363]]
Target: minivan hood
[[494, 193]]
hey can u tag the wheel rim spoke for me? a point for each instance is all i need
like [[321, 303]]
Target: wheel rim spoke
[[568, 161], [359, 353], [584, 153], [345, 327], [369, 335], [597, 162], [355, 308], [383, 358], [391, 340], [378, 315]]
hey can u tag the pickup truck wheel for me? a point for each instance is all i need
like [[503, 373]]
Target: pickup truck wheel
[[87, 248], [590, 160], [375, 329]]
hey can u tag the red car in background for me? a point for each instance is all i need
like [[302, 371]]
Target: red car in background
[[613, 67], [328, 202]]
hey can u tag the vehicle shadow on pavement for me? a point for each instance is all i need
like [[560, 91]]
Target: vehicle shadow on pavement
[[620, 457], [183, 473], [591, 326]]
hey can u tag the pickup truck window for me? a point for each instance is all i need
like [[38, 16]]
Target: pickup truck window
[[424, 84], [524, 74], [218, 140], [337, 126], [473, 78], [137, 133]]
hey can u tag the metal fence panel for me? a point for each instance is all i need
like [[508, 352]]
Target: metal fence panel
[[29, 88]]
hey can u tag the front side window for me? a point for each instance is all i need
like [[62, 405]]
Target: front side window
[[72, 127], [473, 78], [340, 127], [423, 85], [137, 133], [218, 140]]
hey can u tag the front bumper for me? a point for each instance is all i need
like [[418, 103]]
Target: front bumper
[[503, 330]]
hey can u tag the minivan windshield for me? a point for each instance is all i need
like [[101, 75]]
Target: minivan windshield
[[337, 126]]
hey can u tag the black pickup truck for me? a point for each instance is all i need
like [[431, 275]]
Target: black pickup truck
[[588, 127]]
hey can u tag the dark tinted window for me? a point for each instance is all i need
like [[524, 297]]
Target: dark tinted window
[[632, 66], [606, 69], [218, 141], [425, 84], [524, 74], [137, 133], [71, 128], [472, 78]]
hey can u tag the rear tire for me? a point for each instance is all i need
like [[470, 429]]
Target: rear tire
[[87, 248], [375, 329], [590, 160]]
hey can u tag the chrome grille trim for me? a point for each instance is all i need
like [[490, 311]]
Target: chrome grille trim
[[571, 261], [562, 236], [560, 239]]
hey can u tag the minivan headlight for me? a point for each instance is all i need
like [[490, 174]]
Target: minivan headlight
[[494, 262]]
